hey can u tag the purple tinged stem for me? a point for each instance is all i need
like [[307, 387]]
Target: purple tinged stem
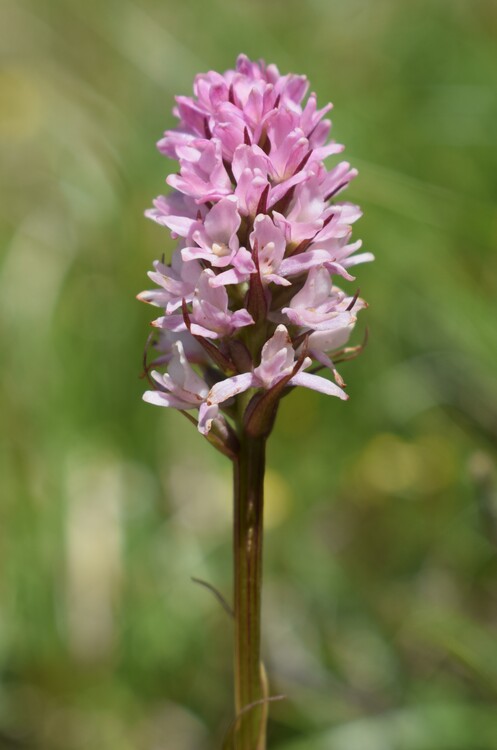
[[247, 549]]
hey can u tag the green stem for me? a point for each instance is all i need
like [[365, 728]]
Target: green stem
[[248, 527]]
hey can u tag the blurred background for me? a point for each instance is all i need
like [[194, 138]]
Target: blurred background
[[380, 602]]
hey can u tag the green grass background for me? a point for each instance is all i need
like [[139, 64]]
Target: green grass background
[[380, 601]]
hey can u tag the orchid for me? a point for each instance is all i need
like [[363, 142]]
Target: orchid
[[277, 362], [216, 237], [180, 387], [318, 305], [177, 282], [250, 303]]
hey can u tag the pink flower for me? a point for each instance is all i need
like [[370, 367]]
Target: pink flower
[[202, 174], [216, 238], [177, 212], [317, 304], [269, 244], [165, 343], [217, 241], [261, 235], [211, 316], [277, 362], [250, 170], [181, 387], [177, 282]]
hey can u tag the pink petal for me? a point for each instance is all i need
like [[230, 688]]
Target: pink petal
[[297, 264], [198, 330], [241, 318], [232, 276], [223, 220]]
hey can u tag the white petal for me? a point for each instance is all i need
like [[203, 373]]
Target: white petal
[[356, 259], [317, 383], [232, 276], [206, 415], [158, 398], [316, 289], [230, 387]]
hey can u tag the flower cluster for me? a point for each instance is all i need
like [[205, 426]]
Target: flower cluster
[[248, 299]]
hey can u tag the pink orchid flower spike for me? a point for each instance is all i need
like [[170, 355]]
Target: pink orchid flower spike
[[248, 304]]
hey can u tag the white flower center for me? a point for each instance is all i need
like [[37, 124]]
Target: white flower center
[[266, 266], [220, 249]]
